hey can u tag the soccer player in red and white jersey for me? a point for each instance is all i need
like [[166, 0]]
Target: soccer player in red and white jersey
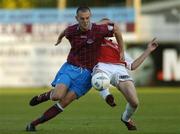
[[73, 80], [111, 63]]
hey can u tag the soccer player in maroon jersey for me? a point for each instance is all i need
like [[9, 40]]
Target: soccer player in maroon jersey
[[74, 78]]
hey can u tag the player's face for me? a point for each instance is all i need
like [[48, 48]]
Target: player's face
[[83, 19]]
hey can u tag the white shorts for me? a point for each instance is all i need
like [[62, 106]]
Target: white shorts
[[116, 72]]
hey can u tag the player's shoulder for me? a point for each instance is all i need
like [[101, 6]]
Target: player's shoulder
[[99, 25], [100, 28], [71, 30], [72, 27]]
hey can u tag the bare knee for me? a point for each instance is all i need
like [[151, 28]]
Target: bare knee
[[59, 92], [135, 104], [56, 97]]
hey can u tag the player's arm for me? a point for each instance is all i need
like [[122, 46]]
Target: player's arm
[[119, 40], [62, 34], [150, 47], [117, 33]]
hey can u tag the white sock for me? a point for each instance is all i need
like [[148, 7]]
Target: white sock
[[104, 93], [59, 106], [128, 112]]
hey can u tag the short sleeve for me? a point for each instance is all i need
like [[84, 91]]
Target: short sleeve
[[107, 30]]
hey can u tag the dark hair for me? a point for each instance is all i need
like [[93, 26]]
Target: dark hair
[[83, 9], [104, 19]]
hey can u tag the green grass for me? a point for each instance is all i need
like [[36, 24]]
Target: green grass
[[159, 113]]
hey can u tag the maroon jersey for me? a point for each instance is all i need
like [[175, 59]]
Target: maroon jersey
[[85, 45]]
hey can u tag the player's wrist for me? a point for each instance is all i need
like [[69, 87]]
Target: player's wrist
[[148, 51]]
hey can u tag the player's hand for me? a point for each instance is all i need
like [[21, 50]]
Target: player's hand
[[122, 57], [152, 45], [57, 43]]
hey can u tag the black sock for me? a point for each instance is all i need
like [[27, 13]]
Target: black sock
[[49, 114]]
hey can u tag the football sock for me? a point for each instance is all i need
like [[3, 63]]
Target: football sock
[[128, 112], [49, 114], [104, 93]]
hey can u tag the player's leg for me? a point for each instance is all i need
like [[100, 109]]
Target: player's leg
[[108, 97], [124, 83], [76, 85], [54, 94], [52, 111], [105, 93], [77, 82], [128, 90]]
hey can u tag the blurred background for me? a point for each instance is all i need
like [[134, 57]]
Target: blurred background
[[29, 29]]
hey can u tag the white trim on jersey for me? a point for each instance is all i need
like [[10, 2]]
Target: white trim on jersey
[[110, 28]]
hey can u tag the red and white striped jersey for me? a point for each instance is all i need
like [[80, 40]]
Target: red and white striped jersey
[[109, 52]]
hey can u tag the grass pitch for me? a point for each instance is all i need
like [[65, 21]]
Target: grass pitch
[[159, 113]]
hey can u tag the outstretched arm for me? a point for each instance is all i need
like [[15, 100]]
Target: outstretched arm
[[150, 47], [62, 34]]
